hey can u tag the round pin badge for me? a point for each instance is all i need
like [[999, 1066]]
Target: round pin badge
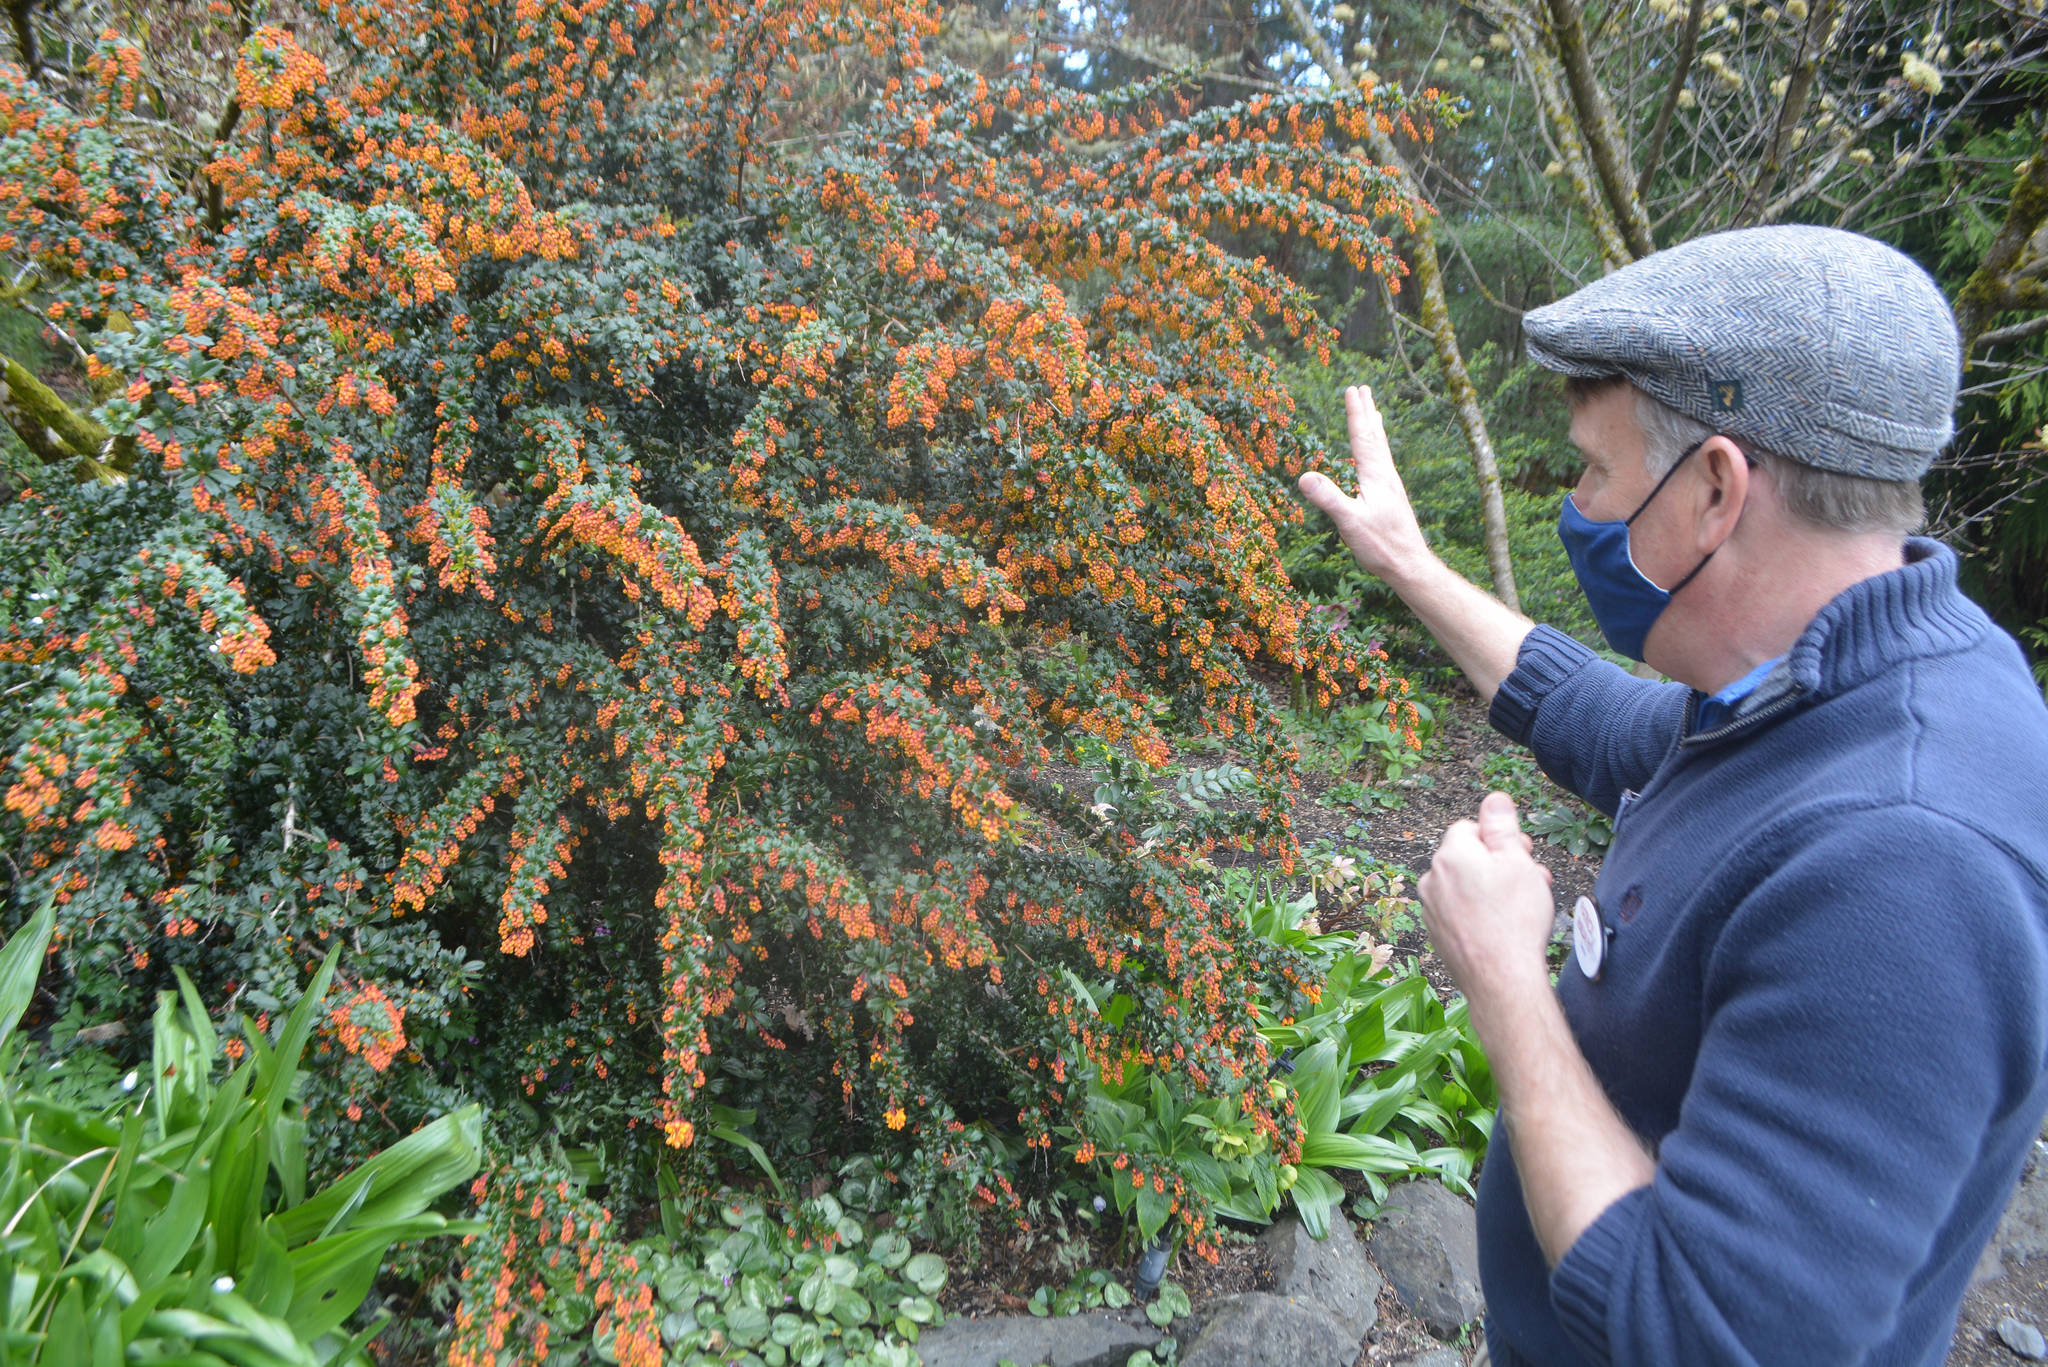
[[1589, 937]]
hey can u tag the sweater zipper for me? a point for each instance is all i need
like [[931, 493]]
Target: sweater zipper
[[1756, 718]]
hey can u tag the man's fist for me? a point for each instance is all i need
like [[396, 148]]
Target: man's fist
[[1487, 902]]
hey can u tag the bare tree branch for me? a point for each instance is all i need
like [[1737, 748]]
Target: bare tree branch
[[1688, 43], [1814, 41], [2018, 332]]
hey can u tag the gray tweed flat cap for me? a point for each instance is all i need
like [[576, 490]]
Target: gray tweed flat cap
[[1820, 345]]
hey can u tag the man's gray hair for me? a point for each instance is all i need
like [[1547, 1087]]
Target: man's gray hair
[[1824, 498]]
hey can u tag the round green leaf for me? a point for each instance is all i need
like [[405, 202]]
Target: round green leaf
[[926, 1272], [890, 1249], [746, 1325], [851, 1308]]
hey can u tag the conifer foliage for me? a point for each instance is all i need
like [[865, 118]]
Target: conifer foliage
[[626, 579]]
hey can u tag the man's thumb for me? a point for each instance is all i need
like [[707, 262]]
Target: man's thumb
[[1499, 826], [1319, 489]]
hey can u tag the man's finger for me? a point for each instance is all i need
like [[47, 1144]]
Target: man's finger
[[1499, 827], [1369, 449]]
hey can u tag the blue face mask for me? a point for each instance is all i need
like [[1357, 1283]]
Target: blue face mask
[[1625, 601]]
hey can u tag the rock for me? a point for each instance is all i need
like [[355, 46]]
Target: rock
[[1096, 1339], [1331, 1274], [1427, 1243], [1435, 1357], [1263, 1330], [2023, 1338]]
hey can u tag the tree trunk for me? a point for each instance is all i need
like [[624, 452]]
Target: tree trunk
[[56, 432], [1436, 317]]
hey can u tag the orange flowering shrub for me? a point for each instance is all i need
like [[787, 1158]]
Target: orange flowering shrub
[[630, 580]]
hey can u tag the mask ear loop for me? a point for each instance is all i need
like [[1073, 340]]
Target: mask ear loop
[[1747, 459], [1676, 466]]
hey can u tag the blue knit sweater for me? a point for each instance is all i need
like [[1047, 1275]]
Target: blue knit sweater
[[1825, 1003]]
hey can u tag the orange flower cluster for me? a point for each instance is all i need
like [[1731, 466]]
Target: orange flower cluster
[[369, 1024], [346, 513], [273, 71]]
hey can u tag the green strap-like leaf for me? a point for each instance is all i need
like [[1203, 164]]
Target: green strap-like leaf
[[21, 963], [401, 1181]]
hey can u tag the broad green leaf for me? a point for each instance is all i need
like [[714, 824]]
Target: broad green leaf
[[67, 1333], [331, 1276], [167, 1239], [288, 1158], [747, 1325], [1316, 1086], [1153, 1210], [109, 1272], [274, 1087], [1366, 1153], [268, 1286], [200, 1022]]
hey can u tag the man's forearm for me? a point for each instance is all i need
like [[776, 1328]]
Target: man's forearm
[[1481, 633], [1574, 1154]]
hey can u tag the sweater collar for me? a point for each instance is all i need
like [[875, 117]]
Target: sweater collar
[[1904, 614]]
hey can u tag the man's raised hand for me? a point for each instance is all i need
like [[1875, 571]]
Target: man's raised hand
[[1379, 525]]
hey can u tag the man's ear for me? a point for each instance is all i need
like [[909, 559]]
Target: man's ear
[[1725, 489]]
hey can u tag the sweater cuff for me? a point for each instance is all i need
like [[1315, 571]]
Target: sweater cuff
[[1580, 1283], [1546, 658]]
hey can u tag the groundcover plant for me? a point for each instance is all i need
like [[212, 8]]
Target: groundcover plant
[[486, 498]]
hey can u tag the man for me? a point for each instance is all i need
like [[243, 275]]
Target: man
[[1774, 1105]]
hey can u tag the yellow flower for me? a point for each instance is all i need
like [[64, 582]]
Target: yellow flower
[[895, 1118]]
